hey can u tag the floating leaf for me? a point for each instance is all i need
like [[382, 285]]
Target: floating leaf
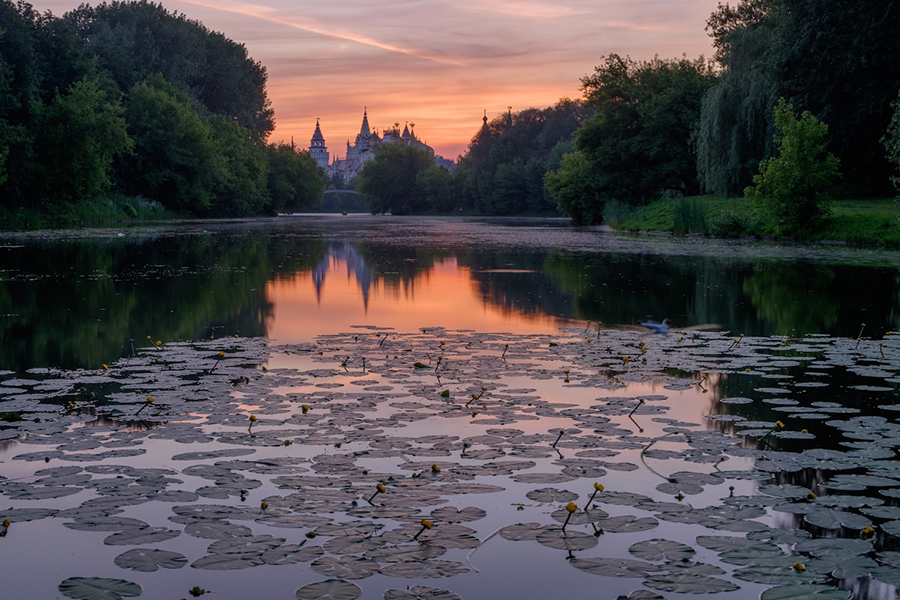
[[614, 567], [805, 592], [657, 549], [686, 583], [149, 560], [420, 592], [99, 588], [330, 589]]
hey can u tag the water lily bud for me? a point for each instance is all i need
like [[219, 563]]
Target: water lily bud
[[6, 522], [222, 354], [380, 487], [571, 507], [799, 566], [149, 399], [253, 418], [304, 408], [780, 424], [264, 505], [598, 487], [105, 367], [426, 523], [435, 469]]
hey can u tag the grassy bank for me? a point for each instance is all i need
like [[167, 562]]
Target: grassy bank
[[106, 210], [871, 221]]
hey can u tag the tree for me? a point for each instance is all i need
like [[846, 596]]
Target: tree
[[135, 40], [575, 188], [77, 137], [795, 184], [240, 177], [296, 182], [391, 178], [174, 158], [637, 143], [503, 171]]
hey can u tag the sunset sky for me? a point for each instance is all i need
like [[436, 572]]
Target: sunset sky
[[435, 63]]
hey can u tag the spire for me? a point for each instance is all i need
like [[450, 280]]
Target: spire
[[364, 130], [317, 136]]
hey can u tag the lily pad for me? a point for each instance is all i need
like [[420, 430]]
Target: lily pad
[[805, 592], [686, 583], [149, 560], [420, 592], [330, 589], [99, 588]]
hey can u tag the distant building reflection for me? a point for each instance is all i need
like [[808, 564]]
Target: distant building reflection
[[356, 267]]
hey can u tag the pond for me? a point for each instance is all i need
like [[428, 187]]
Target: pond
[[341, 407]]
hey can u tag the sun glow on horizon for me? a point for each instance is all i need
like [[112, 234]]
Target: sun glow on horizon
[[434, 63]]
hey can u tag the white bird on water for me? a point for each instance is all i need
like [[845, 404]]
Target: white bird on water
[[655, 327]]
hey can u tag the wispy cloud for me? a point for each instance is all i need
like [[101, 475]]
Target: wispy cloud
[[271, 15], [438, 63]]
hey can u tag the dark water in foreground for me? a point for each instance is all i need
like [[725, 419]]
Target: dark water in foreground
[[82, 298]]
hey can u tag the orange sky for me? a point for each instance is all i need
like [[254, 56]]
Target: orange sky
[[436, 63]]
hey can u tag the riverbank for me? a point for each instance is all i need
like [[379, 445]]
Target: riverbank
[[873, 221], [104, 210]]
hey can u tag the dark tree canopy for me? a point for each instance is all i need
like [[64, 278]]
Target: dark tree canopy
[[637, 144], [840, 60], [503, 171], [134, 40]]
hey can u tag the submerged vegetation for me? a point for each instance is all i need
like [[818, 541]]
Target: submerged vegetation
[[768, 459]]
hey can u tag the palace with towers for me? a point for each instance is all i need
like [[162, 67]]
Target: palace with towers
[[363, 148]]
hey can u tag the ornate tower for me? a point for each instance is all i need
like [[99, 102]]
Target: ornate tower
[[317, 149]]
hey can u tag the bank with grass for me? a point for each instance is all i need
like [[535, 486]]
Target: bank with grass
[[865, 221]]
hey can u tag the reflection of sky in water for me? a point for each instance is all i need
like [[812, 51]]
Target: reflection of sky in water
[[342, 291]]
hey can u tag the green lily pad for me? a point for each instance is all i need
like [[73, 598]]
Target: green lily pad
[[686, 583], [330, 589], [345, 567], [149, 560], [658, 549], [804, 592], [420, 592], [99, 588], [614, 567]]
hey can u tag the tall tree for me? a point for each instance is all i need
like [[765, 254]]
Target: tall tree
[[134, 40], [296, 182], [77, 136], [174, 158], [391, 179], [637, 143]]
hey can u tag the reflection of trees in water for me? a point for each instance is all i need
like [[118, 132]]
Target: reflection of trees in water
[[517, 282], [80, 303], [620, 289]]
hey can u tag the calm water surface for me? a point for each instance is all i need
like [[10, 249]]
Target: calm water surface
[[79, 299], [82, 298]]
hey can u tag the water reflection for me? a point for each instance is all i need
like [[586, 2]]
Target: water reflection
[[82, 299]]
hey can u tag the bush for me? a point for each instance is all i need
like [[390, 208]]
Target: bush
[[795, 184]]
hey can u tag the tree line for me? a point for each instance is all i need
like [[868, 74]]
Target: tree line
[[815, 80], [129, 98]]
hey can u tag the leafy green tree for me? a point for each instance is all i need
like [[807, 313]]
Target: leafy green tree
[[135, 40], [240, 179], [296, 182], [503, 171], [795, 184], [391, 178], [575, 188], [637, 143], [174, 160], [77, 137], [437, 187]]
